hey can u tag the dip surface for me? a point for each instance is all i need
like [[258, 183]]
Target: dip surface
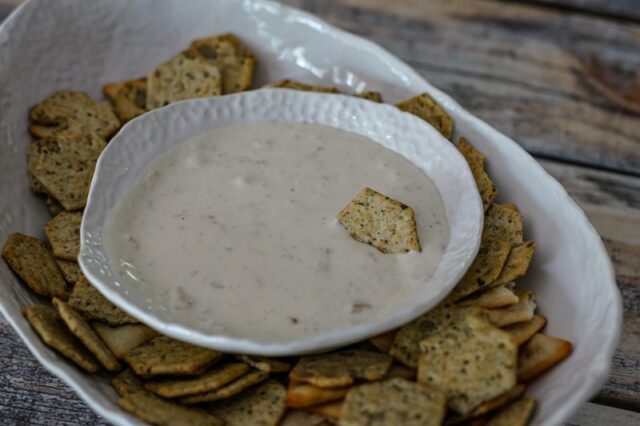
[[237, 228]]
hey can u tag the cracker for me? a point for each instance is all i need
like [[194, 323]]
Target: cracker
[[128, 98], [30, 259], [393, 402], [471, 362], [493, 298], [126, 382], [517, 263], [304, 418], [519, 312], [55, 335], [234, 388], [384, 341], [540, 354], [42, 132], [163, 355], [503, 223], [66, 165], [406, 345], [83, 332], [332, 410], [182, 78], [489, 406], [65, 110], [341, 368], [270, 365], [521, 332], [517, 413], [296, 85], [476, 162], [70, 270], [124, 338], [63, 233], [426, 108], [301, 395], [371, 96], [400, 371], [264, 405], [53, 205], [484, 270], [33, 155], [386, 224], [94, 306], [470, 153], [236, 63], [158, 411], [213, 379]]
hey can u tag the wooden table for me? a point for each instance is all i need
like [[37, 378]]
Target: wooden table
[[561, 77]]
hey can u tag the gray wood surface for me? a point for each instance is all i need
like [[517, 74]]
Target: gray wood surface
[[621, 9]]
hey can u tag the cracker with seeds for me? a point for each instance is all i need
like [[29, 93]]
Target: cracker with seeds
[[236, 63], [540, 354], [517, 413], [182, 78], [66, 165], [30, 259], [55, 335], [370, 96], [158, 411], [296, 85], [53, 205], [341, 368], [476, 162], [400, 371], [471, 362], [33, 155], [489, 406], [521, 332], [124, 338], [94, 306], [332, 410], [301, 395], [128, 98], [426, 108], [503, 223], [384, 341], [163, 355], [406, 345], [126, 382], [519, 312], [377, 220], [69, 111], [263, 405], [517, 263], [234, 388], [70, 270], [83, 332], [393, 402], [63, 233], [217, 377], [496, 297], [270, 365]]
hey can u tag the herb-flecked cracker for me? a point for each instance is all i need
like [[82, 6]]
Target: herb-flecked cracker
[[386, 224], [503, 223], [63, 233], [540, 354], [213, 379], [519, 312], [332, 410], [124, 338], [270, 365], [371, 96], [523, 331], [517, 263], [471, 362], [263, 405], [70, 270], [393, 402], [129, 98], [233, 388], [182, 78], [83, 332], [296, 85], [476, 161], [30, 259], [126, 382], [160, 412], [66, 165], [33, 155], [384, 341], [54, 333], [341, 368], [53, 205], [516, 413], [426, 108], [301, 395], [94, 306], [163, 355], [492, 298]]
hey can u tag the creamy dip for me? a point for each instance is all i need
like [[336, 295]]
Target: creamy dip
[[237, 230]]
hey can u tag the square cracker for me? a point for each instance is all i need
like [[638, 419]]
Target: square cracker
[[55, 335], [393, 402], [53, 205], [492, 298], [163, 355], [83, 332], [66, 165], [517, 413], [270, 365], [231, 389], [126, 382], [341, 368], [471, 362], [129, 98], [63, 233], [30, 259], [296, 85], [182, 78], [213, 379], [371, 96], [263, 405], [94, 306], [426, 108], [33, 155], [517, 263], [158, 411], [124, 338], [70, 270], [503, 223], [301, 395], [476, 162], [540, 354], [521, 332], [519, 312], [377, 220]]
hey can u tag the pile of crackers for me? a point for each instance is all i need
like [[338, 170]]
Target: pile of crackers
[[468, 361]]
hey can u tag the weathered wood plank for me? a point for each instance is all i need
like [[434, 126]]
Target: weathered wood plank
[[563, 85], [625, 9]]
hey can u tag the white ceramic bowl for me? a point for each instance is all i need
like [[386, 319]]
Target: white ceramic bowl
[[50, 45], [145, 138]]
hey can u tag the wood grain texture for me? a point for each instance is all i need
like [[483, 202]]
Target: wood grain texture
[[564, 86], [624, 9]]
